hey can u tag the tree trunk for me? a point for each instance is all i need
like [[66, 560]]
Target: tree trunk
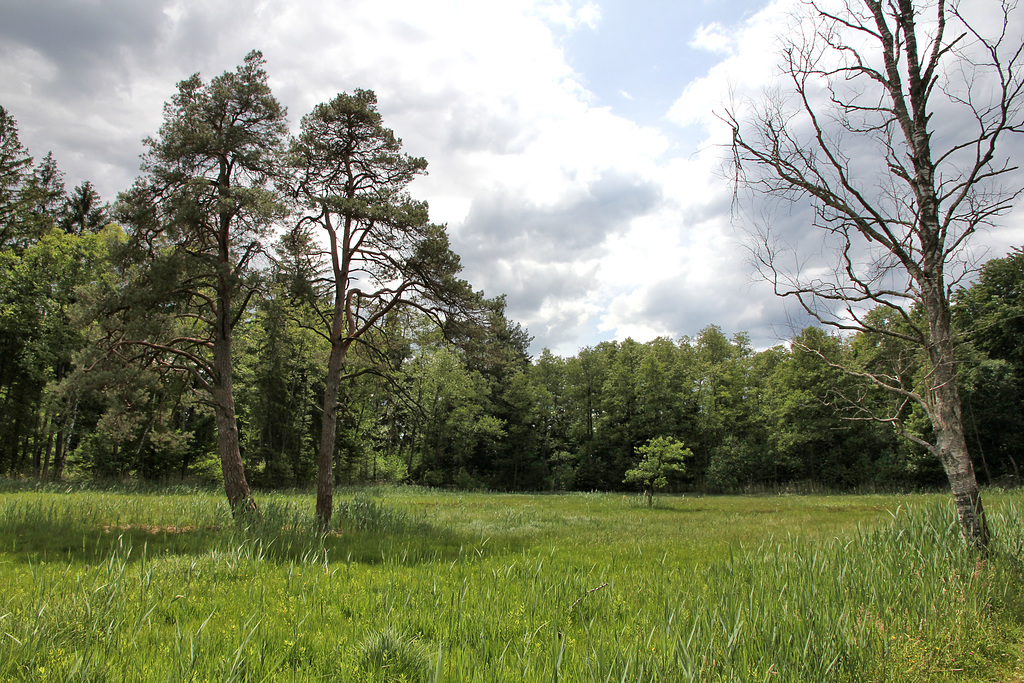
[[947, 421], [235, 485], [222, 385], [1016, 469], [20, 447], [329, 431], [64, 444], [37, 450], [49, 449], [59, 457], [340, 257]]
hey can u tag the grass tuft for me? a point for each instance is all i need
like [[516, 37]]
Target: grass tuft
[[387, 655]]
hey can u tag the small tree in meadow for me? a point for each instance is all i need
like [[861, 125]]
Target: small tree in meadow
[[661, 458]]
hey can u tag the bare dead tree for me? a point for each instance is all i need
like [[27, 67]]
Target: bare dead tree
[[891, 127]]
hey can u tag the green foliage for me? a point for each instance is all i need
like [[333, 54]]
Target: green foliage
[[83, 213], [30, 197], [991, 312], [735, 465], [449, 422], [280, 387], [44, 271], [661, 458], [15, 163], [40, 336], [990, 316]]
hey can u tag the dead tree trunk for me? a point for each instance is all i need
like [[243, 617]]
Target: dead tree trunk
[[944, 410], [897, 195]]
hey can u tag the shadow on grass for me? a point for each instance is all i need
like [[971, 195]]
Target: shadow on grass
[[365, 531]]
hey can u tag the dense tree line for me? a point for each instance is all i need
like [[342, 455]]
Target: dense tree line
[[272, 310]]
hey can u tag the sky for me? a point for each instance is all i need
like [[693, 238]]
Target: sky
[[574, 146]]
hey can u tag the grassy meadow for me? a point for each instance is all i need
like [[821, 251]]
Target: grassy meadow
[[418, 585]]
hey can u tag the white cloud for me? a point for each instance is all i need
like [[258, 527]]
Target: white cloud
[[580, 215], [564, 15], [714, 37], [522, 164], [745, 70], [594, 225]]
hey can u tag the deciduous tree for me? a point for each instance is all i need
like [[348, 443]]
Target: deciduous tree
[[891, 126], [661, 458]]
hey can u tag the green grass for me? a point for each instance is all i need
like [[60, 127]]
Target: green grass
[[417, 585]]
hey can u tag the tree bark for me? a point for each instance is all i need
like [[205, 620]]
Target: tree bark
[[222, 385], [947, 421], [37, 450], [340, 257], [328, 432], [64, 443], [235, 485], [49, 448]]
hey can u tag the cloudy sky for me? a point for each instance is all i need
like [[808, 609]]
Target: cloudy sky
[[573, 147]]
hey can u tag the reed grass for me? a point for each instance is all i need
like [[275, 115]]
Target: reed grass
[[416, 585]]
